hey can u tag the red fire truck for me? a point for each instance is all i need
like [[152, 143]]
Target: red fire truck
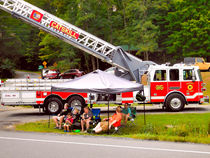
[[172, 86]]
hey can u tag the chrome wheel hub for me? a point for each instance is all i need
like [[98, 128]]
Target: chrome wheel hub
[[53, 106], [176, 103]]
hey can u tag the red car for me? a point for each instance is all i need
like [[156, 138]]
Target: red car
[[52, 74], [71, 74]]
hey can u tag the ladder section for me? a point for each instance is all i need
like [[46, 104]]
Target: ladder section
[[30, 84], [60, 28]]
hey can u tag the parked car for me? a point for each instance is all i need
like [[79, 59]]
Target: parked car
[[71, 74], [50, 74], [198, 61]]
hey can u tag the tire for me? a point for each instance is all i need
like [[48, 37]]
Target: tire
[[175, 102], [53, 105], [76, 101]]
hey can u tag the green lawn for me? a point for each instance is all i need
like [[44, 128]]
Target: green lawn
[[38, 72], [4, 79], [167, 127]]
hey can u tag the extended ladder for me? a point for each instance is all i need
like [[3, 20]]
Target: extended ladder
[[76, 37]]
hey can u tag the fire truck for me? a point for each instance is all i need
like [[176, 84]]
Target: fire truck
[[172, 86]]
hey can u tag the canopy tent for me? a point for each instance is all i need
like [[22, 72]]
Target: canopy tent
[[98, 82]]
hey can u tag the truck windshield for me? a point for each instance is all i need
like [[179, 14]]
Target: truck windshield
[[199, 74]]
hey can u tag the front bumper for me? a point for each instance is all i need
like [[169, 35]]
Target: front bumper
[[205, 99]]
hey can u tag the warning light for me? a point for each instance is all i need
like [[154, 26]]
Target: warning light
[[37, 16]]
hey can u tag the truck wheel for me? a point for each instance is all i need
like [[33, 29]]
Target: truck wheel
[[175, 102], [53, 105], [76, 101]]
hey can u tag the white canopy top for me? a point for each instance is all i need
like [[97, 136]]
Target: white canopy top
[[98, 82]]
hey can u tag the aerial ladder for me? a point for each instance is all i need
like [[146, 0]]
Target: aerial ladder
[[133, 67]]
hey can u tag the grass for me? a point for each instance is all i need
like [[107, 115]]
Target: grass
[[3, 79], [38, 72], [165, 127]]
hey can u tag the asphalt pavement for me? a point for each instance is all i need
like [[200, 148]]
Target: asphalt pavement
[[34, 145], [22, 74]]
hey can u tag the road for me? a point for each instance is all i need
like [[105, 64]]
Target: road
[[34, 145], [22, 74], [12, 115]]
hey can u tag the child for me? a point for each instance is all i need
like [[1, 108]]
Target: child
[[68, 122]]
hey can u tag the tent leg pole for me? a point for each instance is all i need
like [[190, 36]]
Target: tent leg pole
[[49, 122], [144, 112], [108, 114], [49, 112]]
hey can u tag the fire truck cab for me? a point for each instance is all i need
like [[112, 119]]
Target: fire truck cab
[[173, 86]]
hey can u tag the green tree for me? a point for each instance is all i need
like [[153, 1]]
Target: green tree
[[7, 68], [188, 28], [139, 28]]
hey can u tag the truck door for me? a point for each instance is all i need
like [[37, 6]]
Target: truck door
[[189, 87], [174, 83], [158, 86]]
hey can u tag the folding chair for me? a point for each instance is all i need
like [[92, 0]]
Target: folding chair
[[96, 116], [76, 123], [117, 127], [133, 116]]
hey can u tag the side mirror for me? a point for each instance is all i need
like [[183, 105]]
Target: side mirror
[[91, 97], [193, 76], [140, 97]]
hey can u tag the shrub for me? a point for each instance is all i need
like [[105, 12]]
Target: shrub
[[181, 131]]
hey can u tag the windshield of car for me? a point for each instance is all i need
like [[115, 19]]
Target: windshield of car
[[199, 60], [52, 71], [71, 71]]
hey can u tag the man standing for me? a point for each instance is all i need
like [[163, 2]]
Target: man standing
[[86, 117]]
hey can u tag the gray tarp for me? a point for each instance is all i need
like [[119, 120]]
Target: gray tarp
[[98, 82]]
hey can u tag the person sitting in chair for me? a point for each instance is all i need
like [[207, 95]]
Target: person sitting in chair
[[126, 113], [105, 125], [86, 117], [76, 114], [69, 121], [60, 117]]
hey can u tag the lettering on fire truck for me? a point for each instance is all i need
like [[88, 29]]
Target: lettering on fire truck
[[159, 87], [64, 30]]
